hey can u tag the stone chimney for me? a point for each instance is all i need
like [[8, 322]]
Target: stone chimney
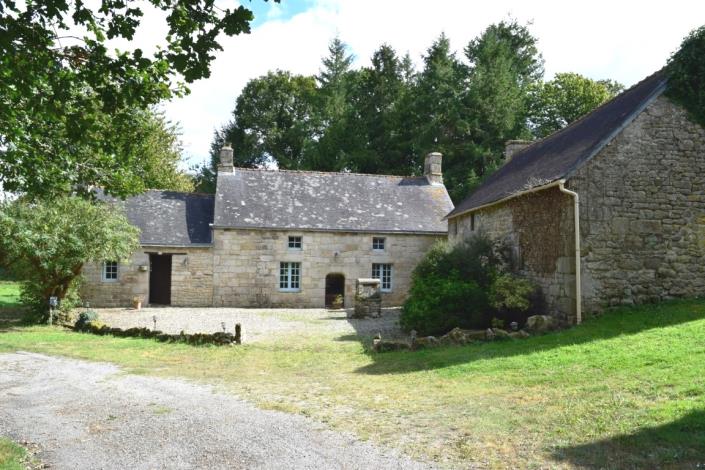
[[511, 147], [432, 168], [226, 159]]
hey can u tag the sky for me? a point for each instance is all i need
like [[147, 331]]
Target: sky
[[621, 40]]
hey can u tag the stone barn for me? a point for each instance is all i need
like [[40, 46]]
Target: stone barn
[[608, 211], [275, 238]]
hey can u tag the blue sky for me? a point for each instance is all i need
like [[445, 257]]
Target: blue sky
[[624, 41]]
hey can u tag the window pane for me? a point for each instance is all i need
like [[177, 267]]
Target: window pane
[[295, 242], [378, 243]]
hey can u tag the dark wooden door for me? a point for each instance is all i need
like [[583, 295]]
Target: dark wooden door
[[160, 279], [335, 290]]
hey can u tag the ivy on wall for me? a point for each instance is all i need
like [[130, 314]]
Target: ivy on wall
[[686, 75]]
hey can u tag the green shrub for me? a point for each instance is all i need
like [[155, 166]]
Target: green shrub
[[466, 286], [33, 296], [449, 288], [86, 317]]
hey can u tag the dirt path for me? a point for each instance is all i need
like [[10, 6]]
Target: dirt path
[[91, 415]]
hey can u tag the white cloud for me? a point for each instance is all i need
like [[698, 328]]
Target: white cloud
[[624, 41]]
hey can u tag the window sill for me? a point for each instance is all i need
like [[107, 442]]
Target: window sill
[[290, 291]]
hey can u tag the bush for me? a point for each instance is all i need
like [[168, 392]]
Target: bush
[[515, 298], [466, 286], [32, 295], [84, 318], [449, 288]]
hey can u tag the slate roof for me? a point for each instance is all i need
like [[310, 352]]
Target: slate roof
[[169, 218], [302, 200], [559, 155]]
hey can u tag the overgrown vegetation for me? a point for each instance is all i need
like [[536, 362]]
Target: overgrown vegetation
[[625, 390], [46, 243], [9, 294], [686, 75], [466, 286]]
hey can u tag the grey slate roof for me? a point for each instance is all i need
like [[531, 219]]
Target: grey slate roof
[[169, 218], [329, 201], [559, 155]]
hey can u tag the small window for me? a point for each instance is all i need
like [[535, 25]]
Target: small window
[[472, 222], [378, 243], [110, 271], [383, 272], [290, 277], [295, 243]]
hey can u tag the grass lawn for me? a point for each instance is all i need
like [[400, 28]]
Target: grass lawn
[[621, 391], [12, 456], [9, 294]]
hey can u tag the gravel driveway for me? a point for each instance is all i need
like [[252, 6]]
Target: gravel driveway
[[85, 415], [257, 324]]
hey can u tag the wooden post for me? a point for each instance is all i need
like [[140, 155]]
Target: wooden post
[[238, 333]]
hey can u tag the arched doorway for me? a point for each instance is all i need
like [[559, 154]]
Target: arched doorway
[[335, 291]]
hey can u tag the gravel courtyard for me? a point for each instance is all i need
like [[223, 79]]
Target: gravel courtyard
[[257, 324], [84, 415]]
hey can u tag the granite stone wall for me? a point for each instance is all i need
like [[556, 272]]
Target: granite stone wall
[[246, 265], [191, 279], [642, 219], [642, 213]]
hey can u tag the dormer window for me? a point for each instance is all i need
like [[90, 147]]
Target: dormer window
[[378, 243], [295, 243]]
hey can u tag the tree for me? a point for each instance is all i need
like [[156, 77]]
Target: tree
[[67, 101], [160, 146], [686, 75], [504, 64], [46, 243], [567, 97]]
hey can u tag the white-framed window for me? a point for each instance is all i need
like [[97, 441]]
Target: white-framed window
[[378, 243], [109, 272], [383, 272], [295, 242], [289, 277]]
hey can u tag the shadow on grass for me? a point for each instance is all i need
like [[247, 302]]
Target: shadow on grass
[[615, 322], [680, 444], [11, 318]]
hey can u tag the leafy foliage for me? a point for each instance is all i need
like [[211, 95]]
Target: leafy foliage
[[46, 243], [567, 97], [448, 288], [68, 104], [466, 286], [686, 75]]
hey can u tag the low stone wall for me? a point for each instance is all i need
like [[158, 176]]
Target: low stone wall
[[218, 338]]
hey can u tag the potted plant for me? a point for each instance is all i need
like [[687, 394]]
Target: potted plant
[[337, 302], [137, 302]]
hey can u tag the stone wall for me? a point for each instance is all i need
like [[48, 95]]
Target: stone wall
[[535, 231], [246, 265], [191, 279], [642, 219], [643, 212]]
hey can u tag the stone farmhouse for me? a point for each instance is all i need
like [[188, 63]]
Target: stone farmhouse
[[273, 238], [608, 211]]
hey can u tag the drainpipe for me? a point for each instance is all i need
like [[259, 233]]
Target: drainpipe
[[576, 216]]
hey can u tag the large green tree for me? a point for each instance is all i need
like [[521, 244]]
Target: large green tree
[[67, 100], [46, 243], [160, 149], [686, 75], [559, 102]]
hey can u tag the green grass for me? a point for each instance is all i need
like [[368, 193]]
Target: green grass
[[9, 294], [624, 390], [12, 456]]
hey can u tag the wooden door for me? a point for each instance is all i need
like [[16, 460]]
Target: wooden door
[[159, 279]]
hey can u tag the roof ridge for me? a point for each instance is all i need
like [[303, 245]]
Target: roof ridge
[[585, 116], [190, 193], [315, 172]]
